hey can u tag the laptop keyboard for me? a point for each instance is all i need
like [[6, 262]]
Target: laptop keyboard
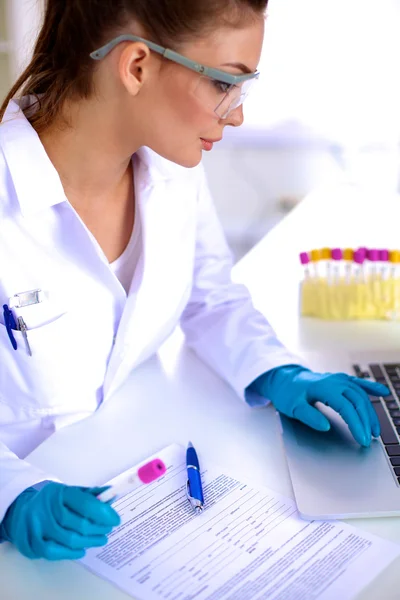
[[387, 408]]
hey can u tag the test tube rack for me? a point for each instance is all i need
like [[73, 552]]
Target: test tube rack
[[347, 284]]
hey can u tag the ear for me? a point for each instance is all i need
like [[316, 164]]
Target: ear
[[134, 66]]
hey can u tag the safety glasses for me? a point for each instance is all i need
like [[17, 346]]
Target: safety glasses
[[220, 91]]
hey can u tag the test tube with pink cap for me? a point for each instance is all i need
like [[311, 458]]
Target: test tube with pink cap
[[305, 261], [359, 258], [308, 285], [337, 256], [373, 258], [129, 481]]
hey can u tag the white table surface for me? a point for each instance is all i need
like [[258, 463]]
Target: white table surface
[[174, 397]]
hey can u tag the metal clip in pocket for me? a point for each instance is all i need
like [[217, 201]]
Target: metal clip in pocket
[[26, 298]]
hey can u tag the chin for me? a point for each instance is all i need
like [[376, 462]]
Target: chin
[[189, 162], [185, 159]]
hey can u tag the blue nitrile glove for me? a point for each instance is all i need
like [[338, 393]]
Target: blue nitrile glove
[[293, 390], [58, 522]]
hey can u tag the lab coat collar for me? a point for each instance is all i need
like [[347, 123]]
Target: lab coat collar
[[156, 168], [36, 181]]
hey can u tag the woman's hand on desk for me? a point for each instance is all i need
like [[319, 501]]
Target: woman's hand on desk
[[58, 522], [293, 390]]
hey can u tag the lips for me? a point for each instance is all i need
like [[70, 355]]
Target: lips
[[211, 141]]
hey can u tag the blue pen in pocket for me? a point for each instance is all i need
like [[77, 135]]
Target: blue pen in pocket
[[9, 322]]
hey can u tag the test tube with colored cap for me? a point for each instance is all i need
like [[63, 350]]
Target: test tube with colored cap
[[316, 256], [394, 258], [359, 259], [383, 276], [348, 255], [373, 257], [384, 263], [124, 484], [363, 251], [337, 255], [373, 278], [359, 277], [306, 298], [326, 263], [305, 261]]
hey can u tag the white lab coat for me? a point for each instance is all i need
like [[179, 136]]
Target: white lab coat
[[87, 335]]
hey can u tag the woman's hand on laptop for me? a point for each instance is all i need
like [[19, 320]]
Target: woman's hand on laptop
[[294, 390]]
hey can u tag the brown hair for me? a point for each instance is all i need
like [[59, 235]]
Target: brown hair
[[61, 67]]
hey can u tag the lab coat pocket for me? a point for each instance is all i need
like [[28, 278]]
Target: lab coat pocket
[[54, 375]]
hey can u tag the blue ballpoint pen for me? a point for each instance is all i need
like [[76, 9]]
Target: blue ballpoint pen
[[9, 322], [194, 489]]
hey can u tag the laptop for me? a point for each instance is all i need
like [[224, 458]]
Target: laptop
[[332, 476]]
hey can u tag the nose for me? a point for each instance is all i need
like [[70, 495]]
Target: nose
[[235, 117]]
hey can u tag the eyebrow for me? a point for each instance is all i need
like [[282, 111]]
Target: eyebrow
[[240, 66]]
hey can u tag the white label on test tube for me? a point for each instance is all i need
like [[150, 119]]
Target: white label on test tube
[[384, 263], [359, 259], [337, 256], [305, 260], [126, 483]]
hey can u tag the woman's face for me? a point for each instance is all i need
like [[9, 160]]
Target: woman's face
[[178, 105]]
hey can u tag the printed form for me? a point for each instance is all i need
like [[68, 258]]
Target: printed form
[[247, 544]]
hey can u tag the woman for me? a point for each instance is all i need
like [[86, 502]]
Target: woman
[[108, 223]]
